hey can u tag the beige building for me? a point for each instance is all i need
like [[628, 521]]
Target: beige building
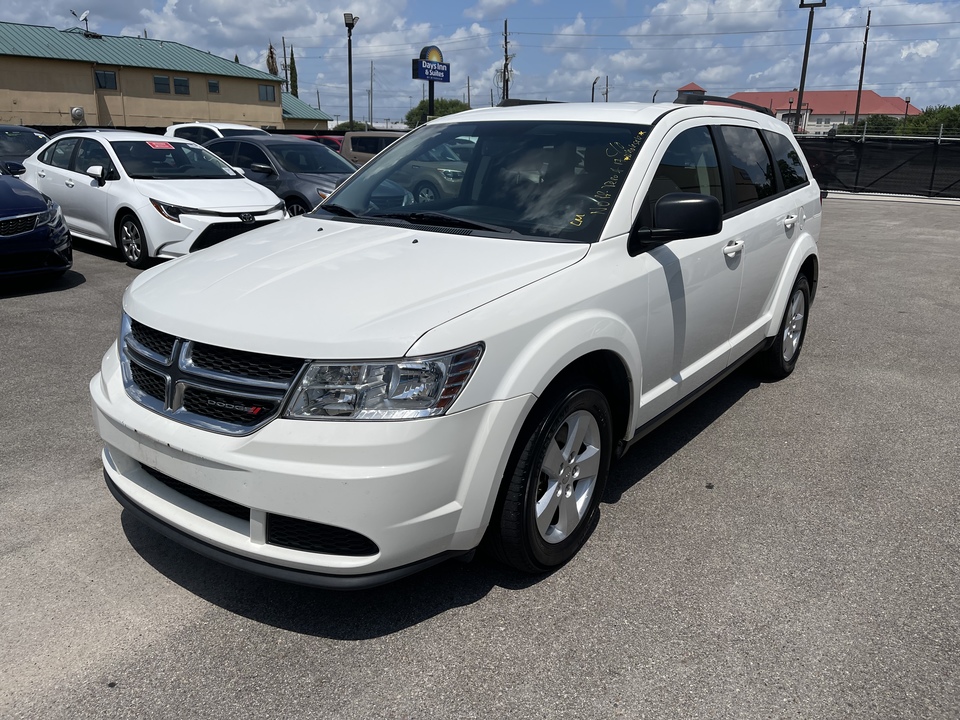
[[52, 78]]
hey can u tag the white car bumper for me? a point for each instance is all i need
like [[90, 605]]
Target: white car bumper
[[377, 500]]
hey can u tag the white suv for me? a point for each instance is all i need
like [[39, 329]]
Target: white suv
[[203, 132], [356, 393]]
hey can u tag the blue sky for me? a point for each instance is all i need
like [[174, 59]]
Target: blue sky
[[635, 48]]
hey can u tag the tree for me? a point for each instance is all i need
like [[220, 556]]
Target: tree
[[355, 125], [294, 90], [236, 58], [441, 106], [272, 61]]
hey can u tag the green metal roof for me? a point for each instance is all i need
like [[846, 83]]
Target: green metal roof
[[75, 44], [296, 109]]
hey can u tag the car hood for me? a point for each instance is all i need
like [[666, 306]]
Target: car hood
[[229, 195], [18, 198], [330, 289]]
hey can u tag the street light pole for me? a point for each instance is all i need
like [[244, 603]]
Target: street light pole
[[350, 20], [593, 87], [806, 56], [906, 109]]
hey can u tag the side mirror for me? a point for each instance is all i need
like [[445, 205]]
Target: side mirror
[[262, 168], [15, 168], [677, 216], [98, 173]]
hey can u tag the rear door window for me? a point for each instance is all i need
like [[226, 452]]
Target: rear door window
[[59, 154], [753, 177]]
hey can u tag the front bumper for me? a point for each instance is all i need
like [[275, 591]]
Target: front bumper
[[196, 232], [46, 249], [420, 491]]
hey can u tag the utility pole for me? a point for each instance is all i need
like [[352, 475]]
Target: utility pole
[[863, 64], [806, 57], [468, 91], [286, 74], [371, 94], [318, 98], [506, 64]]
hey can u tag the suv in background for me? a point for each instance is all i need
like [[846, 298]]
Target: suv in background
[[360, 392], [358, 147], [201, 132]]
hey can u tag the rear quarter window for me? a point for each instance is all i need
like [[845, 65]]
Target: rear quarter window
[[788, 160]]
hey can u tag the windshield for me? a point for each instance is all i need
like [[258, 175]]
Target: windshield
[[164, 160], [309, 157], [544, 180], [20, 142]]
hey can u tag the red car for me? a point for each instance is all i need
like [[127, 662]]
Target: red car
[[331, 141]]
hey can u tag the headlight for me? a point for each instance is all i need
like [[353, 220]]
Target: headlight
[[52, 215], [171, 212], [389, 390], [451, 175], [280, 206]]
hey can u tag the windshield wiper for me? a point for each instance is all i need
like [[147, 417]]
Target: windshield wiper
[[335, 209], [444, 220]]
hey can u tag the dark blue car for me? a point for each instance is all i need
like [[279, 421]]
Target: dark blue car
[[33, 237]]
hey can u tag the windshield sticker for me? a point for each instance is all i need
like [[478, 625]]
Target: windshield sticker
[[156, 145], [618, 157]]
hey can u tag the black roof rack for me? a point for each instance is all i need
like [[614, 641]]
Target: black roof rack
[[698, 99]]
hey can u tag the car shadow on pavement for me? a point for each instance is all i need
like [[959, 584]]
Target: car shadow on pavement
[[39, 285], [339, 615], [657, 447]]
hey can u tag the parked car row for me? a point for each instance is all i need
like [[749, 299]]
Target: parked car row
[[155, 196]]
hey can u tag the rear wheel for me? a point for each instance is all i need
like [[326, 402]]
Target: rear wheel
[[781, 358], [551, 495], [132, 242]]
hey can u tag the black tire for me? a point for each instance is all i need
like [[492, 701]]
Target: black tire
[[780, 359], [132, 243], [426, 192], [295, 207], [568, 498]]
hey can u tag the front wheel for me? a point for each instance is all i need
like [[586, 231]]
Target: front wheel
[[295, 207], [781, 358], [426, 192], [132, 242], [551, 494]]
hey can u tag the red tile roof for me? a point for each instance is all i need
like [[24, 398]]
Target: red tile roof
[[830, 102], [691, 87]]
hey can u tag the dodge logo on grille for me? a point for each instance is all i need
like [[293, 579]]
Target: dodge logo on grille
[[246, 218], [249, 410]]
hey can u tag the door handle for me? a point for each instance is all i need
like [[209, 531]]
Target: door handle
[[790, 220], [68, 183], [41, 173], [732, 248]]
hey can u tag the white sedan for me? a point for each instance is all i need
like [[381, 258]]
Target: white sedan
[[150, 196]]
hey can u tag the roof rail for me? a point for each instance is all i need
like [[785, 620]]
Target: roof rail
[[697, 99]]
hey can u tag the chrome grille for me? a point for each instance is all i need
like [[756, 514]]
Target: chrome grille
[[18, 225], [218, 389]]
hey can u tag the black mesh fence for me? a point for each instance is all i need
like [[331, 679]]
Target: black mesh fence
[[900, 166]]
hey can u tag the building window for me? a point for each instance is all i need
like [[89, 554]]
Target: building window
[[268, 93], [181, 86], [161, 84], [213, 87], [106, 79]]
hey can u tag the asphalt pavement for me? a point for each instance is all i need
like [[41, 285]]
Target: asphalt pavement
[[776, 550]]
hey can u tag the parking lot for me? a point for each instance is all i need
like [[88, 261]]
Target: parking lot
[[776, 550]]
